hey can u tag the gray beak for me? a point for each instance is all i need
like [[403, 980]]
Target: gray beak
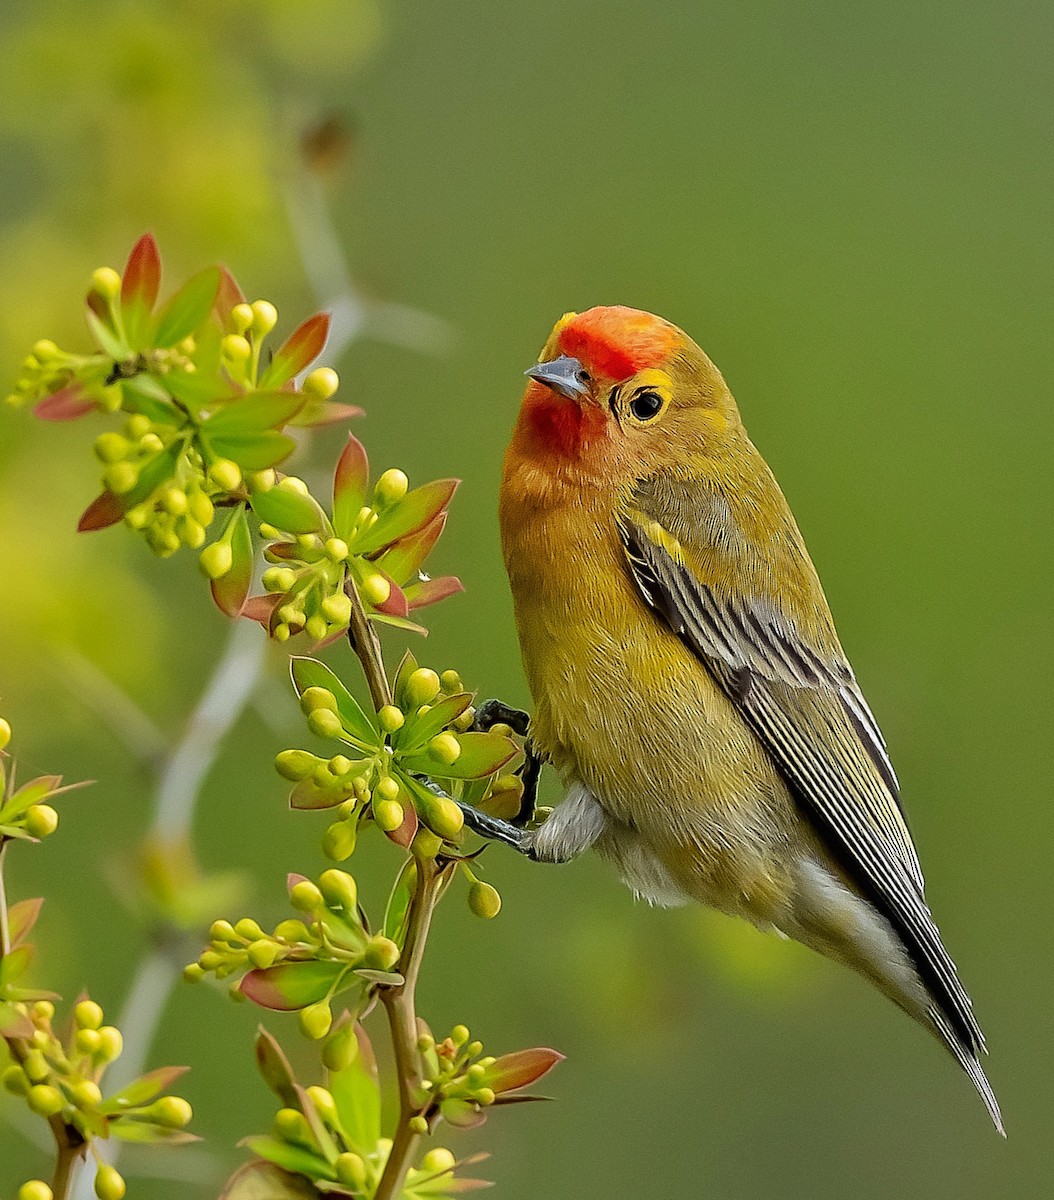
[[564, 375]]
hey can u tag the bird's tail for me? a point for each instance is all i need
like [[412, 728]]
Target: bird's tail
[[968, 1060]]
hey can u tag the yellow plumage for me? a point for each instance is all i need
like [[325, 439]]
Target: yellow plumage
[[688, 682]]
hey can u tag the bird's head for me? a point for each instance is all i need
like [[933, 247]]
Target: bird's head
[[617, 387]]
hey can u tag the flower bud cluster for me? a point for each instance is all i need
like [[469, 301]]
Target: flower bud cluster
[[61, 1077], [456, 1076], [26, 811], [329, 930]]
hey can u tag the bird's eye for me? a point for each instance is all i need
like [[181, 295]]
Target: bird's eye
[[646, 405]]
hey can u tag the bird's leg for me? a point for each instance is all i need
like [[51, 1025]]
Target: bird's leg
[[492, 828], [496, 712]]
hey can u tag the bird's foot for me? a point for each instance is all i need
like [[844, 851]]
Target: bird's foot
[[496, 712]]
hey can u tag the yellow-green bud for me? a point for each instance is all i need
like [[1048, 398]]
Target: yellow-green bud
[[336, 549], [290, 1125], [317, 627], [36, 1066], [15, 1080], [485, 1096], [171, 1111], [441, 815], [324, 723], [193, 973], [225, 474], [426, 844], [192, 533], [438, 1161], [351, 1171], [106, 282], [322, 382], [388, 814], [281, 633], [484, 900], [375, 589], [450, 682], [35, 1189], [88, 1015], [316, 1019], [294, 484], [338, 842], [241, 317], [341, 1049], [313, 698], [418, 1124], [201, 507], [86, 1094], [337, 608], [390, 718], [322, 1099], [222, 931], [236, 348], [295, 765], [262, 953], [445, 748], [109, 1183], [460, 1034], [43, 1010], [387, 789], [265, 316], [86, 1041], [137, 425], [41, 820], [45, 1099], [111, 447], [291, 930], [339, 889], [246, 927], [174, 501], [111, 1043], [463, 723], [391, 486], [422, 687], [306, 896], [5, 733], [121, 477], [278, 579], [340, 765], [216, 560], [381, 952], [211, 959]]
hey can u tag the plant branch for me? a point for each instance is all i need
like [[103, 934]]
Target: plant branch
[[401, 1008], [367, 647], [5, 930]]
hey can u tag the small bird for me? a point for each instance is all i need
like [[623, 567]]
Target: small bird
[[688, 682]]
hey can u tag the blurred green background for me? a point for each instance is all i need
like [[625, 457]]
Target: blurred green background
[[849, 208]]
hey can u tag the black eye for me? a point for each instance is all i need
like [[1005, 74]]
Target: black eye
[[645, 405]]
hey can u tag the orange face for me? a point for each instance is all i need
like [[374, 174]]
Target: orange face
[[618, 385]]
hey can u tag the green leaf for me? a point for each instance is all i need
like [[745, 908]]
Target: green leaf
[[259, 1180], [403, 559], [253, 412], [431, 591], [34, 792], [309, 672], [14, 1024], [418, 729], [21, 917], [521, 1068], [142, 1090], [357, 1097], [275, 1069], [157, 471], [481, 754], [324, 412], [135, 398], [131, 1129], [287, 510], [292, 985], [230, 590], [399, 903], [106, 339], [303, 346], [402, 623], [292, 1158], [15, 964], [252, 451], [350, 481], [140, 283], [415, 510], [188, 308]]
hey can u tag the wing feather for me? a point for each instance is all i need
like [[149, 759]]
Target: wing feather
[[807, 710]]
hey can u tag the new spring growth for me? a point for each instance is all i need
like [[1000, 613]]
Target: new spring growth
[[63, 1075], [305, 961], [25, 811]]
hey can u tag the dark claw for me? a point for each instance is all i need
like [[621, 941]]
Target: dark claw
[[495, 829], [496, 712]]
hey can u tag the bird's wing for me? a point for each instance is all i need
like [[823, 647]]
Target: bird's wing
[[807, 711]]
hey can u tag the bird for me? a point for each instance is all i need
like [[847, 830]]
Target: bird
[[688, 683]]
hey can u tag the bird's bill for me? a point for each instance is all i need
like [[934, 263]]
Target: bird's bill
[[564, 375]]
